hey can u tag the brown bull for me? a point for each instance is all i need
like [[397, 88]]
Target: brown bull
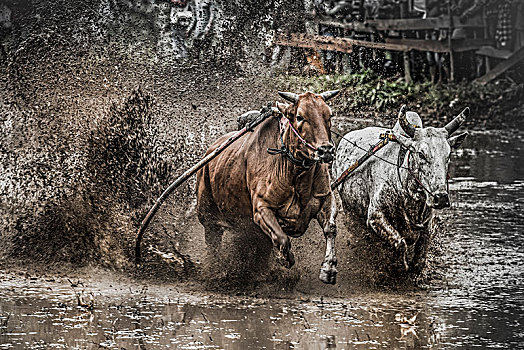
[[275, 179]]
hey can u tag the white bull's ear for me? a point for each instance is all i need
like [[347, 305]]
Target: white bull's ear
[[282, 107], [456, 141]]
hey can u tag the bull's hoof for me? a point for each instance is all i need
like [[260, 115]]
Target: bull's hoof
[[286, 261], [328, 276]]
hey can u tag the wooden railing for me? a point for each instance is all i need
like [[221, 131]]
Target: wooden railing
[[374, 25], [330, 43]]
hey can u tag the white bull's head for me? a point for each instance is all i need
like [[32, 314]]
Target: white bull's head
[[430, 151]]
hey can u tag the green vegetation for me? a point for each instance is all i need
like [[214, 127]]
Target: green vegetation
[[369, 94]]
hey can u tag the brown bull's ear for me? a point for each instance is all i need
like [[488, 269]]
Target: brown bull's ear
[[282, 107], [456, 141]]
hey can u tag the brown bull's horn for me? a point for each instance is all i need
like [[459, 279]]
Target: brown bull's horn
[[328, 95], [289, 96], [453, 125], [404, 123]]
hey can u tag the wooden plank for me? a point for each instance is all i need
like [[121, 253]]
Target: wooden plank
[[374, 25], [422, 23], [314, 42], [461, 45], [345, 44], [356, 26], [503, 66], [421, 45], [332, 43], [491, 51]]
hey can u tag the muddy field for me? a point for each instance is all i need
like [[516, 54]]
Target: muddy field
[[97, 120], [473, 298]]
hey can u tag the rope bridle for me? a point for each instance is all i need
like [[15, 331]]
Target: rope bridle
[[402, 153], [306, 163]]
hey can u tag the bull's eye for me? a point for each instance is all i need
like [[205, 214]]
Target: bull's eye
[[300, 119], [423, 157]]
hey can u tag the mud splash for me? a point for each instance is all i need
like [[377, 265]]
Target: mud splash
[[474, 299]]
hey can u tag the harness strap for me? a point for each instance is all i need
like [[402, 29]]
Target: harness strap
[[305, 163], [402, 153], [284, 150], [298, 135], [384, 140]]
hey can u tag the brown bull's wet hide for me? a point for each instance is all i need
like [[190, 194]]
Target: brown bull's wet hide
[[246, 189]]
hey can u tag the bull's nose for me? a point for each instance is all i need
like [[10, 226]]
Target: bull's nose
[[326, 153], [441, 200]]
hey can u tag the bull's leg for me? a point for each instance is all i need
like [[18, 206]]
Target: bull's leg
[[327, 220], [266, 220], [208, 215], [378, 223], [213, 235], [421, 249]]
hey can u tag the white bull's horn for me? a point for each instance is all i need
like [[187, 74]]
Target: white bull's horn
[[328, 95], [404, 123], [453, 125], [289, 96]]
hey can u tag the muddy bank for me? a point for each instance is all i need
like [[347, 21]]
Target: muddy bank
[[374, 100]]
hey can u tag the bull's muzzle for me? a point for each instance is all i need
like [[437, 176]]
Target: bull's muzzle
[[441, 200], [326, 153]]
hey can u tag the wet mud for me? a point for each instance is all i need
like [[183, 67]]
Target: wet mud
[[472, 296]]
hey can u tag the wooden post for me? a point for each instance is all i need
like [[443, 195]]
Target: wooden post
[[486, 36], [405, 55], [450, 33]]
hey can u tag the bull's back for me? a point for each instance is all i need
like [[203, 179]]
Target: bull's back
[[359, 186]]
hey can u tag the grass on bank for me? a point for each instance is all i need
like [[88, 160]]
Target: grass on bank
[[367, 93]]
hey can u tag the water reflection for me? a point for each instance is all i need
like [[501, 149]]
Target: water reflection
[[477, 302], [484, 249], [146, 322]]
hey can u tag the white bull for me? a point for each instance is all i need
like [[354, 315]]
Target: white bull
[[395, 195]]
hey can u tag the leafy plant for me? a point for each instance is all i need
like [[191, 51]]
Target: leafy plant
[[368, 93]]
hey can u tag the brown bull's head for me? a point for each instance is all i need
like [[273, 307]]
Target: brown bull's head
[[431, 149], [311, 117]]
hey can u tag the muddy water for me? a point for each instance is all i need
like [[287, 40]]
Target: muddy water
[[475, 298]]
